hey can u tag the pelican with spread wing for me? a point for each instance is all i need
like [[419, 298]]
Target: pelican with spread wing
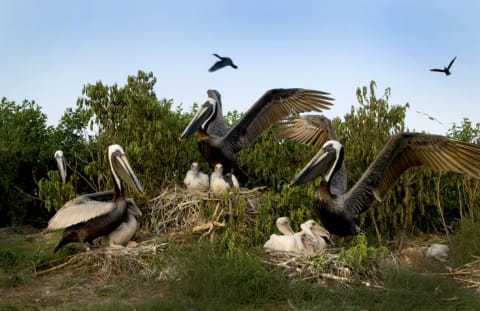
[[219, 145], [339, 209]]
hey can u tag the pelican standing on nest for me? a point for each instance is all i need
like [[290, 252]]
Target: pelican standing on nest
[[127, 229], [339, 210], [218, 145], [220, 182], [196, 180], [84, 220]]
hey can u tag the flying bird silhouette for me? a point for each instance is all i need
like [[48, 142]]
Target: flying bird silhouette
[[223, 61], [446, 70], [429, 116]]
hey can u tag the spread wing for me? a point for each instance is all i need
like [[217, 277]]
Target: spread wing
[[406, 150], [312, 130], [217, 65], [274, 105], [437, 70], [451, 62], [77, 211]]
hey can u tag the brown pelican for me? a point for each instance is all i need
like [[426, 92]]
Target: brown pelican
[[126, 230], [62, 168], [220, 182], [84, 219], [196, 180], [222, 62], [338, 210], [61, 164], [217, 145], [445, 70]]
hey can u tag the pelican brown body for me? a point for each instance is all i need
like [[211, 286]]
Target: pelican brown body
[[338, 210], [84, 219], [219, 145], [127, 227]]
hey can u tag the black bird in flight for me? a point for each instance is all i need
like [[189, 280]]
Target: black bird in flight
[[224, 61], [446, 70], [430, 117]]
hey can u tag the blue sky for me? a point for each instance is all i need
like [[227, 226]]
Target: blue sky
[[50, 49]]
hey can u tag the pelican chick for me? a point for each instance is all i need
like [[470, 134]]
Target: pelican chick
[[283, 225], [321, 237], [438, 252], [294, 243], [196, 180], [219, 182], [84, 219]]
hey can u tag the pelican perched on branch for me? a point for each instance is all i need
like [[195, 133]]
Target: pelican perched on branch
[[339, 209], [218, 145], [84, 219], [196, 180]]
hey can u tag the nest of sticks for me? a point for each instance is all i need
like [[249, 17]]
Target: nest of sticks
[[104, 262], [323, 268], [176, 212], [169, 216]]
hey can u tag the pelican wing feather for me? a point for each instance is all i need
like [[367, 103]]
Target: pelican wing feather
[[406, 150], [312, 130], [274, 105], [78, 211]]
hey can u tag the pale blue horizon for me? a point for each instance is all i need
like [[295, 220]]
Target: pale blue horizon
[[50, 49]]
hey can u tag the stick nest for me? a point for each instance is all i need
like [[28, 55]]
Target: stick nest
[[179, 210], [325, 268], [104, 262]]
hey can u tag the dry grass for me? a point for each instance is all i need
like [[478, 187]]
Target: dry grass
[[177, 216], [468, 274], [105, 262]]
